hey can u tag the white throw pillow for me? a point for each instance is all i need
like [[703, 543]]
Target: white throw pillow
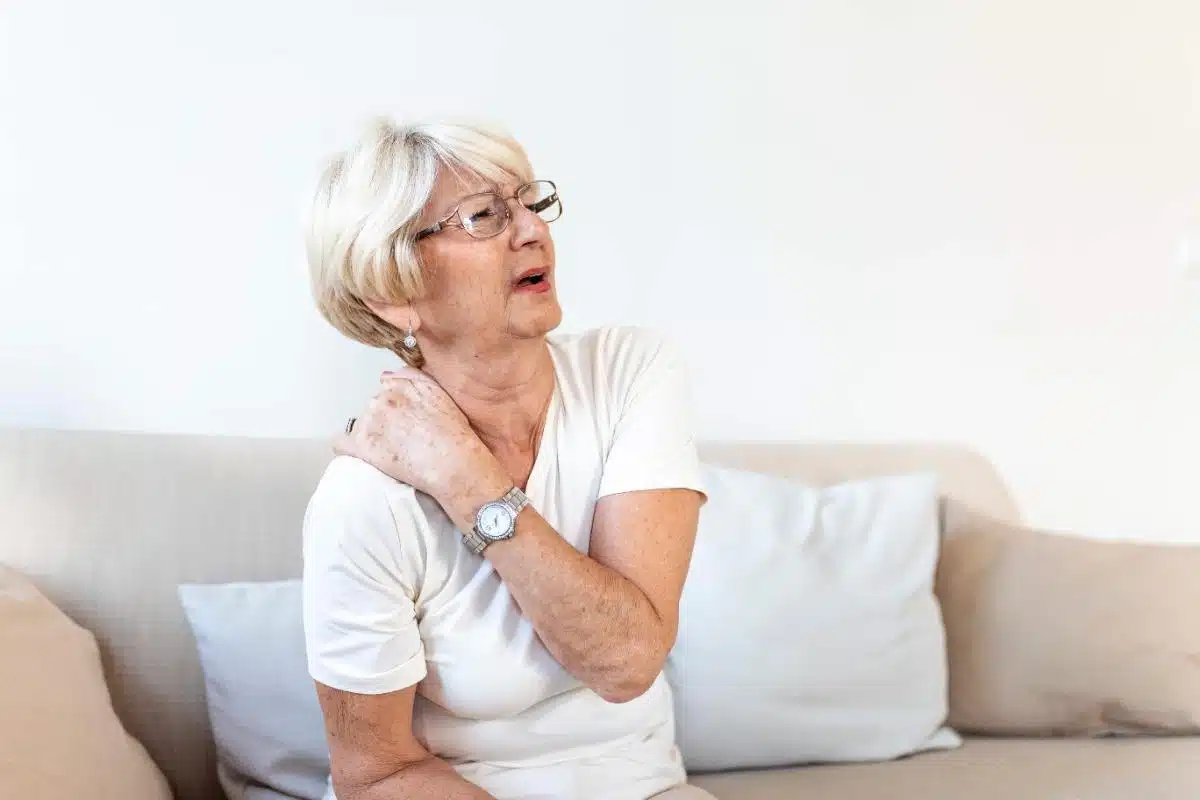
[[809, 628], [266, 720]]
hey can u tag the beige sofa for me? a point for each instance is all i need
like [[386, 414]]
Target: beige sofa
[[108, 524]]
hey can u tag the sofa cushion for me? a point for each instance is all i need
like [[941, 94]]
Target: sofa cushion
[[991, 769], [59, 736], [809, 630], [1051, 633], [262, 704]]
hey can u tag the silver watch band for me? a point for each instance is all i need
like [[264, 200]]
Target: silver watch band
[[516, 500], [475, 543]]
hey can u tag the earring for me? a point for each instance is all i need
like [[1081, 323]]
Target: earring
[[410, 341]]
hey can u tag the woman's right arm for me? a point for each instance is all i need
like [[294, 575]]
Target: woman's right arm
[[374, 755], [362, 571]]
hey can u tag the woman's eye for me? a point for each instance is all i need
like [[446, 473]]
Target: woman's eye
[[484, 214]]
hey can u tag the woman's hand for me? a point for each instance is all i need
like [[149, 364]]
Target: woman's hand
[[415, 433]]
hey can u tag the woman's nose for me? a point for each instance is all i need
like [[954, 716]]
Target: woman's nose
[[527, 226]]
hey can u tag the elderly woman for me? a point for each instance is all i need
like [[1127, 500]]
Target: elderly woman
[[493, 560]]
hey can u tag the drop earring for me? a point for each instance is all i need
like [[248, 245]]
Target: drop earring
[[410, 341]]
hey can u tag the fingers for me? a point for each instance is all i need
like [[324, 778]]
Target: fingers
[[408, 375], [410, 384]]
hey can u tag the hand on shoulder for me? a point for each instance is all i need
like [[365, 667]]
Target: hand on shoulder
[[412, 431]]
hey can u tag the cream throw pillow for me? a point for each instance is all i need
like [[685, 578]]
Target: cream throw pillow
[[59, 736], [1054, 634]]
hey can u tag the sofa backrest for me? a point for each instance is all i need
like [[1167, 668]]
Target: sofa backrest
[[108, 525]]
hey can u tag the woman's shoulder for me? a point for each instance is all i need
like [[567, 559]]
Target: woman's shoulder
[[354, 481], [354, 497], [617, 347], [359, 515], [610, 367]]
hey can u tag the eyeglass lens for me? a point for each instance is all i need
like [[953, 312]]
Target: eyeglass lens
[[486, 214]]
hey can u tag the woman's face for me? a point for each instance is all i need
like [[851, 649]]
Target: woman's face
[[474, 288]]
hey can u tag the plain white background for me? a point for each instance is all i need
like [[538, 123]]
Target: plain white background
[[862, 219]]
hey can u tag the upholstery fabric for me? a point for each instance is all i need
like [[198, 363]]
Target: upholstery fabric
[[990, 769]]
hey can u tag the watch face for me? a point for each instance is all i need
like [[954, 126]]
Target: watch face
[[495, 520]]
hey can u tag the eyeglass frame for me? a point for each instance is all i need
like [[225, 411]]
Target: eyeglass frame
[[449, 220]]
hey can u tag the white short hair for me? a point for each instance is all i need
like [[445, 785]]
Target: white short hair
[[361, 227]]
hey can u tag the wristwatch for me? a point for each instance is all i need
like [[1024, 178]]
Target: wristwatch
[[496, 521]]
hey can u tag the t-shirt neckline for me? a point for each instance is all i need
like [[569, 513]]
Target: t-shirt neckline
[[536, 479]]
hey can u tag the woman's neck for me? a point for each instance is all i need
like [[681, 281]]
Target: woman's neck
[[503, 395]]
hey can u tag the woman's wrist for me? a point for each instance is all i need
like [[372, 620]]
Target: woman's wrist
[[470, 489]]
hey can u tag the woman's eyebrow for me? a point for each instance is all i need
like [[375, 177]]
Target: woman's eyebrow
[[449, 209]]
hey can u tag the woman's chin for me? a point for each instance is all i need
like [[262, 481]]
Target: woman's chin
[[543, 320]]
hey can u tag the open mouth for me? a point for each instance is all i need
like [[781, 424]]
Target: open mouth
[[532, 279]]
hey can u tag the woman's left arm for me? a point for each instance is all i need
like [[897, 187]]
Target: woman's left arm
[[610, 616]]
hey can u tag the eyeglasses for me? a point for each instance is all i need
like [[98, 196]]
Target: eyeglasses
[[486, 214]]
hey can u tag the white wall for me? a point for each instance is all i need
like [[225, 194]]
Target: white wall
[[863, 220]]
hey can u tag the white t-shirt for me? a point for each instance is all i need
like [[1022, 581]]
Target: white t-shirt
[[392, 596]]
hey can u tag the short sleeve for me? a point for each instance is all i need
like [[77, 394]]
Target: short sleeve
[[653, 444], [360, 621]]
